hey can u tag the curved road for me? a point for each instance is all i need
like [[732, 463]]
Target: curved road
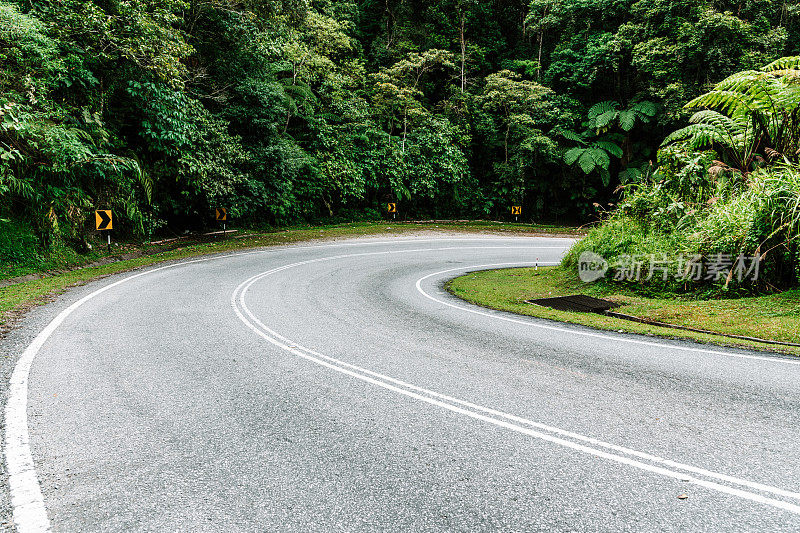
[[337, 388]]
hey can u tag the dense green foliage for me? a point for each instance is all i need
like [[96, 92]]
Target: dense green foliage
[[728, 185], [303, 110]]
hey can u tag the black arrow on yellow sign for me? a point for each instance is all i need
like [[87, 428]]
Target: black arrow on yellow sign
[[103, 220], [516, 210], [391, 208], [222, 214]]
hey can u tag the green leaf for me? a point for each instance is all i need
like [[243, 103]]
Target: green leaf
[[610, 147], [645, 107], [573, 155], [606, 118], [602, 107], [572, 136], [784, 63], [606, 177], [587, 161], [600, 157], [627, 120]]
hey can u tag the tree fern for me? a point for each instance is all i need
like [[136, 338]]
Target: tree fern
[[610, 147], [606, 114], [598, 146], [573, 155], [601, 108], [784, 63], [747, 114]]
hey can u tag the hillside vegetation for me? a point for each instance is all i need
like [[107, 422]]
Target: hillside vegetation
[[289, 111], [725, 196]]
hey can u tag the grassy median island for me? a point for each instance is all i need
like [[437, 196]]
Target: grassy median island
[[772, 317], [723, 192], [19, 295]]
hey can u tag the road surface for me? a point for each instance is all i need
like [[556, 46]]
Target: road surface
[[336, 387]]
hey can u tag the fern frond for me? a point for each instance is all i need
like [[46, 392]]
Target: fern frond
[[605, 176], [784, 63], [603, 120], [725, 124], [600, 157], [609, 147], [587, 161], [645, 108], [627, 120], [630, 174], [573, 155], [728, 101], [572, 136], [602, 107], [698, 135]]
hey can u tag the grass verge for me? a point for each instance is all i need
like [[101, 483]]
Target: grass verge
[[773, 317], [18, 298]]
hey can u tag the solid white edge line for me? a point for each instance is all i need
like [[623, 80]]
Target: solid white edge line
[[607, 336], [29, 512], [28, 509], [514, 418], [237, 300]]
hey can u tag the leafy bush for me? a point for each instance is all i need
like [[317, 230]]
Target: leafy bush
[[762, 220], [18, 244], [728, 186]]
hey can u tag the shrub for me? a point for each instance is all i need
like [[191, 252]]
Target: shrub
[[763, 220], [18, 243]]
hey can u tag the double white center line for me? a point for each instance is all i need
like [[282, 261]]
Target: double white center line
[[741, 488]]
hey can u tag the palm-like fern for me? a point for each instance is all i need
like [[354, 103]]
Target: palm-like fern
[[594, 155], [749, 114], [605, 114]]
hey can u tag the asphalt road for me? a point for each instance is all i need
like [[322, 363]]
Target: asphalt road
[[337, 388]]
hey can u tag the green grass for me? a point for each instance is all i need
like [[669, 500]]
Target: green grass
[[58, 258], [772, 317], [17, 298]]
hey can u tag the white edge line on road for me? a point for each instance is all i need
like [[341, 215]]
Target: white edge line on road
[[463, 407], [27, 502], [606, 336], [29, 512]]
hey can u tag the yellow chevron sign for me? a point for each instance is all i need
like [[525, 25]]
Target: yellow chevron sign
[[103, 219]]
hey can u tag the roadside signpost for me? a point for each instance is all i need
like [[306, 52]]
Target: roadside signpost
[[516, 210], [392, 209], [222, 216], [104, 221]]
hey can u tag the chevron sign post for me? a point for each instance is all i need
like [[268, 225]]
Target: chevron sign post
[[104, 221]]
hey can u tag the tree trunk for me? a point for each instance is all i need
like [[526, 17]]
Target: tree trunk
[[463, 54], [405, 134], [508, 132], [541, 45]]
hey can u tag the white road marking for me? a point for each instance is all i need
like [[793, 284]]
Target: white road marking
[[29, 512], [676, 470], [607, 336]]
